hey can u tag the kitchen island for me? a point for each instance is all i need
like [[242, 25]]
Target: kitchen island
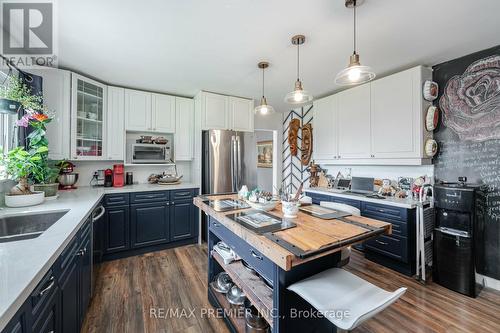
[[278, 266]]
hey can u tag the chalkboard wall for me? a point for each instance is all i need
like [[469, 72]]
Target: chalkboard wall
[[473, 151]]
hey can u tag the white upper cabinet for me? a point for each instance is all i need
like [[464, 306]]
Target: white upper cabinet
[[88, 118], [353, 124], [57, 98], [184, 136], [163, 113], [325, 145], [396, 120], [242, 115], [138, 110], [381, 122], [116, 124], [215, 111], [226, 112]]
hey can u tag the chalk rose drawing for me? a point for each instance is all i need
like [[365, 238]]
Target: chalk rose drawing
[[471, 101]]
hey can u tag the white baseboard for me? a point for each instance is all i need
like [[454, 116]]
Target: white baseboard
[[488, 281]]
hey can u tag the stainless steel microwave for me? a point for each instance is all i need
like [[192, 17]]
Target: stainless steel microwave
[[150, 153]]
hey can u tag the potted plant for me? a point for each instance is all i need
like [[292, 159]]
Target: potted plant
[[14, 95], [44, 176], [20, 165]]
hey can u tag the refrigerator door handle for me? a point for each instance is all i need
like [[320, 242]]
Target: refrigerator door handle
[[238, 163], [233, 164]]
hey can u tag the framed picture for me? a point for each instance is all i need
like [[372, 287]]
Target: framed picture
[[265, 154]]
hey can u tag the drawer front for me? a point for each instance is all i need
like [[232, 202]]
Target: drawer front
[[391, 246], [317, 198], [42, 293], [68, 256], [384, 211], [254, 258], [147, 197], [181, 194], [116, 199], [350, 202]]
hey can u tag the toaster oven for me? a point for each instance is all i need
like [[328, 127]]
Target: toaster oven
[[150, 153]]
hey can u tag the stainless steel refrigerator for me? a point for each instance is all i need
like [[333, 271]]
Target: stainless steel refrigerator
[[229, 161]]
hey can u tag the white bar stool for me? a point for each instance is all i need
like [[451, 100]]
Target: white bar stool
[[345, 254], [343, 298]]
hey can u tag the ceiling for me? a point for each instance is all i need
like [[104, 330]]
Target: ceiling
[[182, 46]]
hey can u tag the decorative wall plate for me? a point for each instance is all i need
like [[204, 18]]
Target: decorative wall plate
[[431, 118], [430, 90], [431, 147]]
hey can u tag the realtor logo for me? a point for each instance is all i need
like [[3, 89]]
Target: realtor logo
[[28, 32]]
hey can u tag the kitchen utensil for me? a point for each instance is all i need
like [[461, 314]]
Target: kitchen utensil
[[248, 267], [67, 180], [169, 179], [224, 282], [161, 140], [235, 296], [118, 175], [130, 178], [108, 178], [254, 322]]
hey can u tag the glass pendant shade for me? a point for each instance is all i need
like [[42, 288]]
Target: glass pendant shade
[[298, 95], [355, 73], [264, 108]]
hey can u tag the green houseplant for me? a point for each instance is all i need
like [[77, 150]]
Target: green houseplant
[[20, 165], [14, 95]]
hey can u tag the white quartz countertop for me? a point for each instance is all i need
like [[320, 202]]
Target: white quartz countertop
[[24, 263], [390, 201]]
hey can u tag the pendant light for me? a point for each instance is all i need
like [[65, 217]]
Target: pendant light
[[263, 108], [355, 73], [298, 95]]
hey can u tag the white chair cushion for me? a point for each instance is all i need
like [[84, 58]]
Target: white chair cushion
[[343, 298]]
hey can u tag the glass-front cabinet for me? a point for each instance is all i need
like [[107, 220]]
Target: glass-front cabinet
[[88, 118]]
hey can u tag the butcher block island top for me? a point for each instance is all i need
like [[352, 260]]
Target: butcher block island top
[[314, 235]]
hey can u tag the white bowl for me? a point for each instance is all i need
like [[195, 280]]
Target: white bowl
[[25, 200], [266, 207]]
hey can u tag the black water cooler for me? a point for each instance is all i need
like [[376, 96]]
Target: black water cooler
[[454, 249]]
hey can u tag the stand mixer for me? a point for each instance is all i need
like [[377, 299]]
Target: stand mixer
[[67, 178]]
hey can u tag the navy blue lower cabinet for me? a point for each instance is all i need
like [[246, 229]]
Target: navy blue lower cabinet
[[19, 323], [85, 278], [150, 224], [182, 220], [50, 319], [70, 298], [116, 229]]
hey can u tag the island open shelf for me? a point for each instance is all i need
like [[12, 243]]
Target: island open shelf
[[259, 294]]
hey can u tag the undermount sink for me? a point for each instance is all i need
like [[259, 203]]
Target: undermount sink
[[19, 227]]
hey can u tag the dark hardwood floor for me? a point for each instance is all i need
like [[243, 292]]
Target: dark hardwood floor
[[130, 290]]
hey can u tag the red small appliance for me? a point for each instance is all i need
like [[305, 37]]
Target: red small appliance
[[118, 175], [108, 178]]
